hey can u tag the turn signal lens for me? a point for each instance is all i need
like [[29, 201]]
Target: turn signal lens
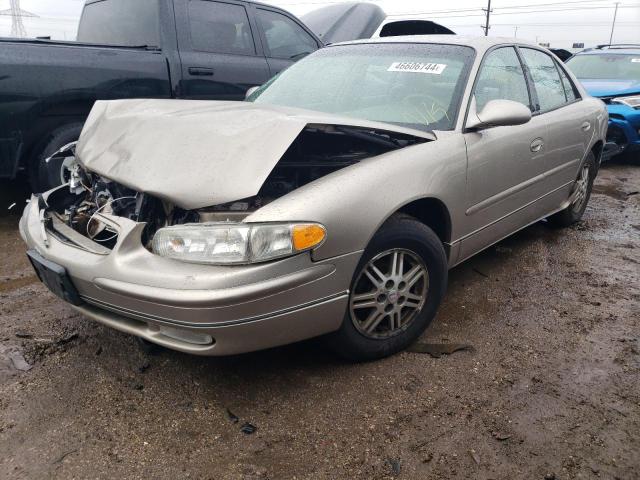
[[306, 236]]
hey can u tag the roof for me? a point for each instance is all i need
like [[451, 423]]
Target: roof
[[478, 42]]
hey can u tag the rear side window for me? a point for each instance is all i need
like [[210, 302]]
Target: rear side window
[[546, 79], [120, 22], [285, 38], [569, 89], [501, 78], [220, 28]]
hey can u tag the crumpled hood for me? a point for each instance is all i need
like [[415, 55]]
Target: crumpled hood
[[610, 88], [196, 153]]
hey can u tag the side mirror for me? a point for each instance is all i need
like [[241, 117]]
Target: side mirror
[[498, 113], [250, 92]]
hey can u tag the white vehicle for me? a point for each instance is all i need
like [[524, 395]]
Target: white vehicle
[[355, 21]]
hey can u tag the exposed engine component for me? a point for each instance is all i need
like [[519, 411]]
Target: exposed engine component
[[89, 196], [317, 151]]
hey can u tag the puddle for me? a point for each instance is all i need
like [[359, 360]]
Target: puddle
[[612, 191]]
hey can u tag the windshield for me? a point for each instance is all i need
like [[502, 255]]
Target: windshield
[[606, 66], [412, 85]]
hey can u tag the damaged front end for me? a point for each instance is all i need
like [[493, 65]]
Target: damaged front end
[[88, 210], [153, 234]]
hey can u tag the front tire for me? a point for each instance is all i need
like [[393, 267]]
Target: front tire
[[579, 195], [395, 292], [47, 175]]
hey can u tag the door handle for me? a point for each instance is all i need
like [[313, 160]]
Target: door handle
[[536, 145], [201, 71], [586, 126]]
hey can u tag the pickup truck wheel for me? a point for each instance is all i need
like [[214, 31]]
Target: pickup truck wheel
[[45, 175], [579, 195], [395, 292]]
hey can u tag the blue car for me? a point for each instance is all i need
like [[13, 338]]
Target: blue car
[[612, 73]]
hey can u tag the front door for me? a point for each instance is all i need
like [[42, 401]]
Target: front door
[[506, 165]]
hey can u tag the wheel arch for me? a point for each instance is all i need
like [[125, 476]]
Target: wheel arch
[[41, 132], [597, 150], [432, 212]]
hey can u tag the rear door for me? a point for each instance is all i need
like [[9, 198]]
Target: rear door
[[220, 50], [285, 40], [505, 164], [570, 124]]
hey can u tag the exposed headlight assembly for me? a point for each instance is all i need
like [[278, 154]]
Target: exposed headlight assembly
[[632, 101], [236, 243]]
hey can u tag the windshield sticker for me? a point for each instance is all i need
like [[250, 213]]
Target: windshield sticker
[[417, 67], [635, 60]]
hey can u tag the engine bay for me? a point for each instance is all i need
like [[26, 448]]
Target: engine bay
[[317, 151]]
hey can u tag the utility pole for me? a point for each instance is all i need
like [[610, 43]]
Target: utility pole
[[515, 32], [16, 14], [488, 10], [613, 24]]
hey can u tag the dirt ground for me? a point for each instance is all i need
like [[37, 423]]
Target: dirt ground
[[551, 388]]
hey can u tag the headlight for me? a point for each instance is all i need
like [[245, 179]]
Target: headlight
[[633, 101], [236, 243]]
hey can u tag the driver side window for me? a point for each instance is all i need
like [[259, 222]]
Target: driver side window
[[501, 78]]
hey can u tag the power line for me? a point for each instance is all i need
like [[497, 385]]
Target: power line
[[536, 5], [513, 13], [601, 24], [471, 9]]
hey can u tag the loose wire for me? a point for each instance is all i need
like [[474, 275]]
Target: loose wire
[[97, 211]]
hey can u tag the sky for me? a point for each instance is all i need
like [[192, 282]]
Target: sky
[[550, 21]]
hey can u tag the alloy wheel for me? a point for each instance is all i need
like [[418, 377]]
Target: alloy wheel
[[389, 293], [580, 189]]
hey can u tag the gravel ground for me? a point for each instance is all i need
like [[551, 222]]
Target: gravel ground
[[551, 388]]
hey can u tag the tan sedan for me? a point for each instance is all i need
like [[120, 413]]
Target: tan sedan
[[332, 202]]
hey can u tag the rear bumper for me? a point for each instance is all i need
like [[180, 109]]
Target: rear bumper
[[200, 309]]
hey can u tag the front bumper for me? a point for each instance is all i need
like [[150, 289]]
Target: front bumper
[[199, 309], [623, 133]]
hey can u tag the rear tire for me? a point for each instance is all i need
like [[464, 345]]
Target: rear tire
[[395, 292], [44, 175], [582, 192]]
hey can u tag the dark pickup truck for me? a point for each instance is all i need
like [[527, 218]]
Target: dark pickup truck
[[197, 49]]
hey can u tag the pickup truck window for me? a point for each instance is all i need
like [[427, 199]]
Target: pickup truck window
[[120, 22], [285, 38], [220, 28]]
